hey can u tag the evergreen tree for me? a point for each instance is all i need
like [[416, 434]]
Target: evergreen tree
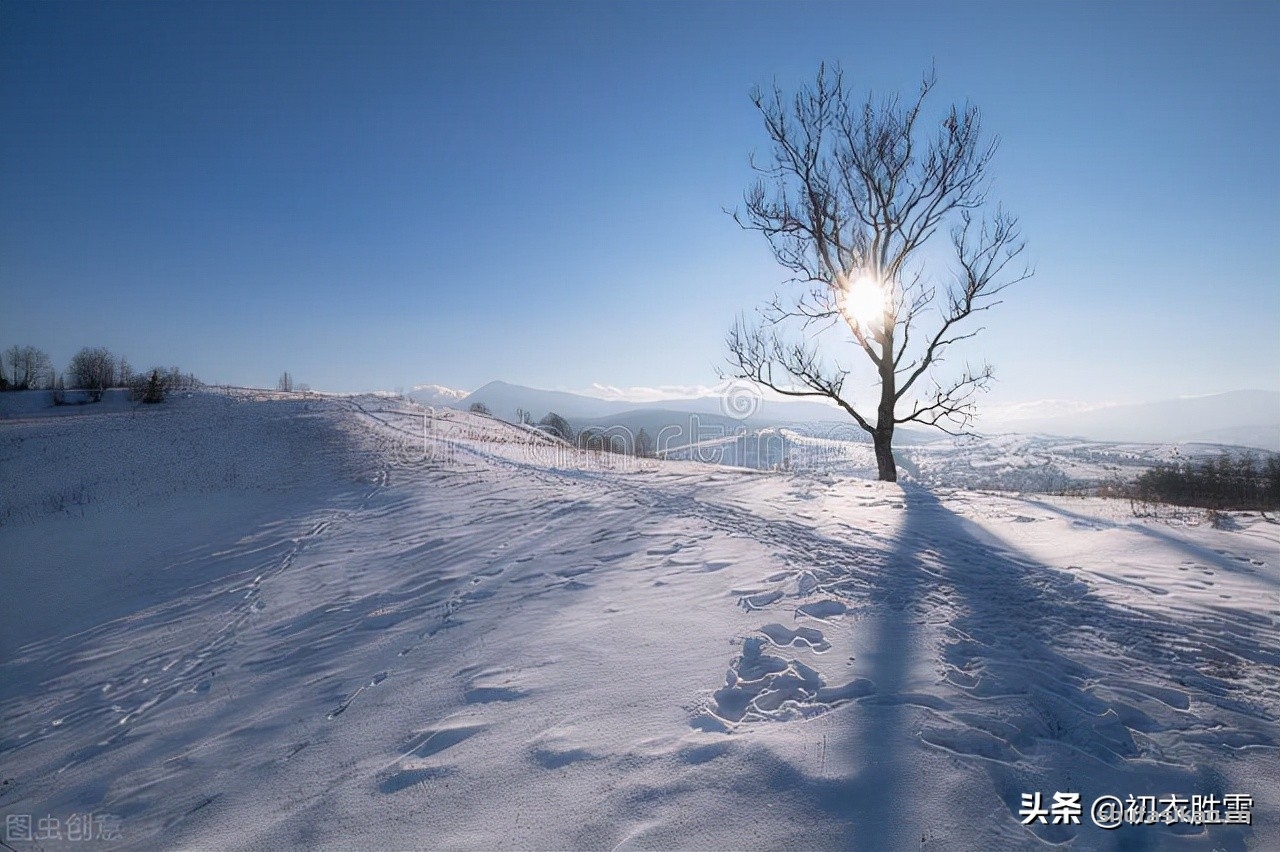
[[155, 388], [556, 425], [644, 445]]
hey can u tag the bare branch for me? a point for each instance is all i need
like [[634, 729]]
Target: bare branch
[[954, 404], [754, 354]]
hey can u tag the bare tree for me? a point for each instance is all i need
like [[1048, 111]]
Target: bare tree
[[285, 382], [155, 388], [853, 195], [93, 370], [27, 367]]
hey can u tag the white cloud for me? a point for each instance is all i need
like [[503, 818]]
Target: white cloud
[[1036, 409], [648, 394]]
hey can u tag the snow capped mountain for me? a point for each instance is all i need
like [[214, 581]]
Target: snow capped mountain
[[502, 399], [436, 395]]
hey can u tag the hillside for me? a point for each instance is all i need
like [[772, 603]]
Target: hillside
[[275, 621]]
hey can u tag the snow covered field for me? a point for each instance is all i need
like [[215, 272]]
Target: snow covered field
[[270, 621]]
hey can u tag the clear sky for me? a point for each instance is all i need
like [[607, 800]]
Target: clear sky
[[380, 195]]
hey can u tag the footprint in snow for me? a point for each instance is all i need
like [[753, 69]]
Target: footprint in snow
[[822, 609], [764, 687], [801, 636], [550, 758], [487, 694], [760, 601]]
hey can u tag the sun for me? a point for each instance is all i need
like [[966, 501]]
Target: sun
[[863, 304]]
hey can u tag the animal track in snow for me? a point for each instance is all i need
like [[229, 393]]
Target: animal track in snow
[[346, 702]]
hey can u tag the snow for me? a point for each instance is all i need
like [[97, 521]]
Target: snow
[[277, 620], [1006, 462], [39, 403]]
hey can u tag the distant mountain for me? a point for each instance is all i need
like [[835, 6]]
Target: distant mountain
[[503, 399], [436, 395], [1247, 418]]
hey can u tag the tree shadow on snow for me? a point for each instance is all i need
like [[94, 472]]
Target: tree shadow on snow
[[1045, 687]]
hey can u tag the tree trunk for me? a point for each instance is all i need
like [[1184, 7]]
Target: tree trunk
[[883, 435], [884, 456]]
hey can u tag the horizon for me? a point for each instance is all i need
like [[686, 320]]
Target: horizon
[[670, 393], [346, 194]]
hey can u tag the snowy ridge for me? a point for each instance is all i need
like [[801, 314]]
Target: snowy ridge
[[408, 628], [1006, 462]]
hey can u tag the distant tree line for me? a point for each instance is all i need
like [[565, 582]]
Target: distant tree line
[[92, 369], [1224, 482], [616, 440]]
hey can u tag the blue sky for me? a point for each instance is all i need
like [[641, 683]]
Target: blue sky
[[372, 196]]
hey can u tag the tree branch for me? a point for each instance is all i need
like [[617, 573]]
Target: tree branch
[[754, 355]]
